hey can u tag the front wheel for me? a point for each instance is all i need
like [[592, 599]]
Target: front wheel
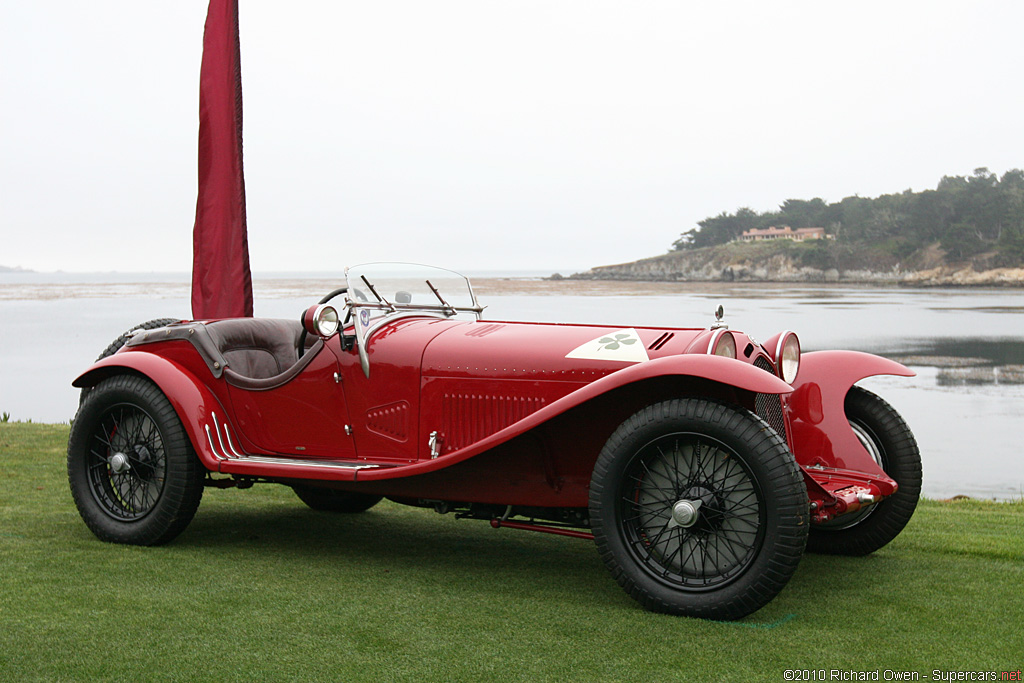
[[698, 509], [131, 467], [888, 440]]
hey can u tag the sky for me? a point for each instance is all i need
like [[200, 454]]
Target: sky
[[485, 135]]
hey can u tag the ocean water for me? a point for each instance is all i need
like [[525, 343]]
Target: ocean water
[[966, 404]]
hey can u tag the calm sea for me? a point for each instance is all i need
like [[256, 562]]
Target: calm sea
[[966, 404]]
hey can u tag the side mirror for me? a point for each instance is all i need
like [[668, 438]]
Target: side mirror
[[321, 320]]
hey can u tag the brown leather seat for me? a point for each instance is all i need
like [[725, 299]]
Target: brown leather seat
[[257, 348]]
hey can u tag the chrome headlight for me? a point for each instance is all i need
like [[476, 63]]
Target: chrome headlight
[[321, 320], [787, 357], [722, 344]]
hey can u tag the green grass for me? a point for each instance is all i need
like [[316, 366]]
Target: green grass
[[261, 588]]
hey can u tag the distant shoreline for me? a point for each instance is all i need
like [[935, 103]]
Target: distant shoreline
[[923, 279], [655, 270], [780, 265], [9, 275]]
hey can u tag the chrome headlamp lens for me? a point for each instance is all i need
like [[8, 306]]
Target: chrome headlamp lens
[[321, 320], [723, 344], [787, 357], [326, 320]]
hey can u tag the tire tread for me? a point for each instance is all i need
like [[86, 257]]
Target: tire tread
[[891, 515], [183, 489], [782, 475]]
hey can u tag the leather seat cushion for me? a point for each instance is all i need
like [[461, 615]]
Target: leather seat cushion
[[257, 347]]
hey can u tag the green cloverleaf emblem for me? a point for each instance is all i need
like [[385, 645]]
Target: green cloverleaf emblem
[[613, 343]]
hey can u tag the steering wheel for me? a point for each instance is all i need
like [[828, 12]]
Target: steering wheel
[[328, 297], [331, 295]]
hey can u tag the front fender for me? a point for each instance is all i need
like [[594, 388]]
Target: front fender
[[822, 436], [725, 371], [195, 404]]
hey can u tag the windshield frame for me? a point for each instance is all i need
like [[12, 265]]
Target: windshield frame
[[367, 299]]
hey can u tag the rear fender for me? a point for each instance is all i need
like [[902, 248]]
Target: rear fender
[[196, 406], [822, 436]]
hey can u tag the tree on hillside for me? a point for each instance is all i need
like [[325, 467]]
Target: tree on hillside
[[799, 213], [720, 229], [966, 215]]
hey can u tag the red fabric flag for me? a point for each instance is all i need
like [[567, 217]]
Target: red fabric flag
[[221, 281]]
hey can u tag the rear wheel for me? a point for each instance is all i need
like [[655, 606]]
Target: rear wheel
[[333, 500], [698, 509], [131, 467], [114, 346], [888, 440]]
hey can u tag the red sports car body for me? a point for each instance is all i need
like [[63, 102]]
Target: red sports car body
[[701, 461]]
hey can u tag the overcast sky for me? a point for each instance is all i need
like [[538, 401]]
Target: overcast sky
[[487, 135]]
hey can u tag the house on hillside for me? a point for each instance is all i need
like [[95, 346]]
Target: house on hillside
[[784, 233]]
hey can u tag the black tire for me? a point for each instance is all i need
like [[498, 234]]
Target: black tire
[[333, 500], [131, 467], [889, 440], [115, 345], [743, 543]]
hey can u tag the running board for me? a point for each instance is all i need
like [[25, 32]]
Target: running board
[[274, 467], [294, 462]]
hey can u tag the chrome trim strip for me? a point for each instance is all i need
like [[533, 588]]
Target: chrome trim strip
[[780, 345], [381, 322], [220, 451], [477, 309], [216, 428], [231, 445], [209, 438], [442, 309], [363, 336], [304, 463], [714, 340]]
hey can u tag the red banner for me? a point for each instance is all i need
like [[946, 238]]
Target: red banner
[[221, 281]]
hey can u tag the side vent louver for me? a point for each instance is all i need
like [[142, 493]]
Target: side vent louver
[[483, 330], [471, 417], [661, 341], [390, 420]]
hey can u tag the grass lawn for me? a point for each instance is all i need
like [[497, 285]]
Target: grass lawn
[[261, 588]]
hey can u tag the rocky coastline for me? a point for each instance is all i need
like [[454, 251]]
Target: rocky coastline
[[719, 266]]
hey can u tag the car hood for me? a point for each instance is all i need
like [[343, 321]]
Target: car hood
[[559, 351]]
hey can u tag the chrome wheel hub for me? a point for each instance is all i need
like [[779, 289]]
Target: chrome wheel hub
[[685, 513], [119, 463]]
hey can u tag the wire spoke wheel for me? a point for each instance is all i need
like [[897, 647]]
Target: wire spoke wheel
[[698, 509], [691, 512], [127, 464], [131, 467]]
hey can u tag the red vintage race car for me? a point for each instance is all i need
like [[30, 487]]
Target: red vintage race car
[[700, 461]]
